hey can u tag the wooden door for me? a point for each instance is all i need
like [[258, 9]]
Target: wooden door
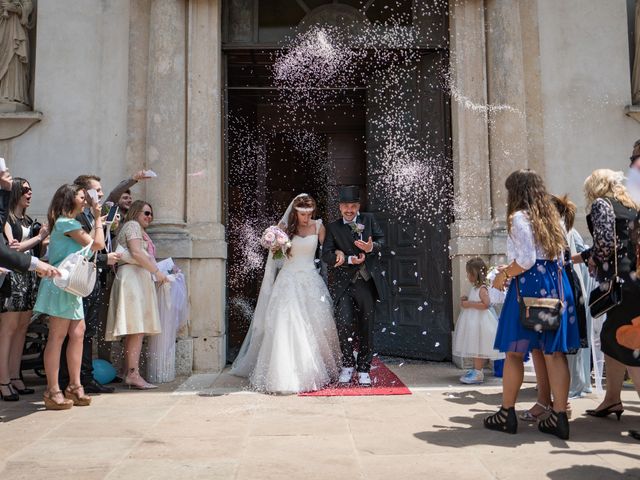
[[417, 318]]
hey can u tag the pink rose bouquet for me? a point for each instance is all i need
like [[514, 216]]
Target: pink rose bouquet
[[276, 240]]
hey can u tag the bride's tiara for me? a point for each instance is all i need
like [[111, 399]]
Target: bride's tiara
[[304, 209]]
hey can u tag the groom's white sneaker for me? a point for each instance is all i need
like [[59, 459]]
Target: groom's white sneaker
[[364, 380], [346, 374]]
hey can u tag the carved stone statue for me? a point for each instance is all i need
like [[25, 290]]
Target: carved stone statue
[[14, 54], [635, 79]]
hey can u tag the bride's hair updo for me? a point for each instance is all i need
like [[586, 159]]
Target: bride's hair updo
[[303, 202]]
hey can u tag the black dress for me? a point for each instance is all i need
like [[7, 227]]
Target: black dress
[[603, 221], [19, 289]]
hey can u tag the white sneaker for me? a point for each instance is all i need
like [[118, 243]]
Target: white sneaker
[[473, 377], [345, 375], [364, 380]]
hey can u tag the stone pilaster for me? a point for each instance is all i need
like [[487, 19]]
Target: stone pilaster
[[166, 117], [507, 97], [182, 142], [205, 184], [471, 232], [139, 13], [533, 86]]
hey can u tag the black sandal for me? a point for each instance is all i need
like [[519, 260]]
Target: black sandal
[[556, 424], [504, 420], [22, 391], [12, 397]]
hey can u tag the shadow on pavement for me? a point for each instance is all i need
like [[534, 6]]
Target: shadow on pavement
[[471, 432], [592, 472]]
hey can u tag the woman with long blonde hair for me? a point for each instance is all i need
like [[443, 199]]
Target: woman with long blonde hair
[[613, 223], [535, 247]]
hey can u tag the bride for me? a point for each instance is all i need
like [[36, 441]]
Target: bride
[[292, 344]]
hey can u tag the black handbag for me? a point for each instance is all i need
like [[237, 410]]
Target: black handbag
[[541, 314], [602, 300]]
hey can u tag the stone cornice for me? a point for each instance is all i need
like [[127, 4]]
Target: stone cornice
[[633, 111], [190, 241], [15, 124]]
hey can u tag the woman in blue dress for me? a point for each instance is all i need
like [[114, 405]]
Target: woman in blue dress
[[66, 315], [535, 246]]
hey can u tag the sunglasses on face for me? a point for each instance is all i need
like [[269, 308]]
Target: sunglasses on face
[[148, 213], [633, 158], [26, 190]]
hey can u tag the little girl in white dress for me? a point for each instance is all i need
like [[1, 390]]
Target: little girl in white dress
[[476, 328]]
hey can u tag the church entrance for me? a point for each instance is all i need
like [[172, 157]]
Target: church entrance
[[341, 135]]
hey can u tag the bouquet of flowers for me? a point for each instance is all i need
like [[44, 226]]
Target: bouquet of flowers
[[276, 240]]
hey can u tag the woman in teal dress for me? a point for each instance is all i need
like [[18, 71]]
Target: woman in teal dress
[[66, 315]]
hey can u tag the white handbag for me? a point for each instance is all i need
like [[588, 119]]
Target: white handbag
[[78, 273]]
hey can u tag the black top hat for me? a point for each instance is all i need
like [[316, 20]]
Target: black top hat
[[349, 194]]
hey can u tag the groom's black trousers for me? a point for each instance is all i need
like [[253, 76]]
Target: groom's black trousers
[[354, 319]]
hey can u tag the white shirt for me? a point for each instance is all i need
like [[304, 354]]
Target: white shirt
[[521, 243]]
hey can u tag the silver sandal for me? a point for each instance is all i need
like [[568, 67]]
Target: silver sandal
[[527, 416]]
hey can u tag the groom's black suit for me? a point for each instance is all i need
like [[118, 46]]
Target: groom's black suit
[[355, 291]]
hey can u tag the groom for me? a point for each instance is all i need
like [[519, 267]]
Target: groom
[[352, 247]]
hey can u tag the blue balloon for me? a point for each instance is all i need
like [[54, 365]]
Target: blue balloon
[[103, 371]]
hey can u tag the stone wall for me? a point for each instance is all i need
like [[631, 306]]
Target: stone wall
[[585, 75], [81, 84]]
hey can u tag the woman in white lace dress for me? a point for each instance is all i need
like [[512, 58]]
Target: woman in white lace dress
[[292, 344], [133, 305]]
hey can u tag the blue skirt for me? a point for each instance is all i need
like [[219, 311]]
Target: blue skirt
[[541, 280]]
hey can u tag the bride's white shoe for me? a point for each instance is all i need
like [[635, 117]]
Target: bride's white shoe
[[364, 380], [346, 374]]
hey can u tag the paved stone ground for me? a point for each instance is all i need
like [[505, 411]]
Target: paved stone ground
[[210, 427]]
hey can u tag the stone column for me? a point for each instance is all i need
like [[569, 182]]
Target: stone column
[[205, 185], [166, 120], [164, 144], [506, 95], [533, 86], [139, 13], [471, 232]]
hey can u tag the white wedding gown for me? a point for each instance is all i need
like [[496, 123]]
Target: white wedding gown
[[292, 344]]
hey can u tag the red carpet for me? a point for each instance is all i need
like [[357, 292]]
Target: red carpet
[[384, 382]]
